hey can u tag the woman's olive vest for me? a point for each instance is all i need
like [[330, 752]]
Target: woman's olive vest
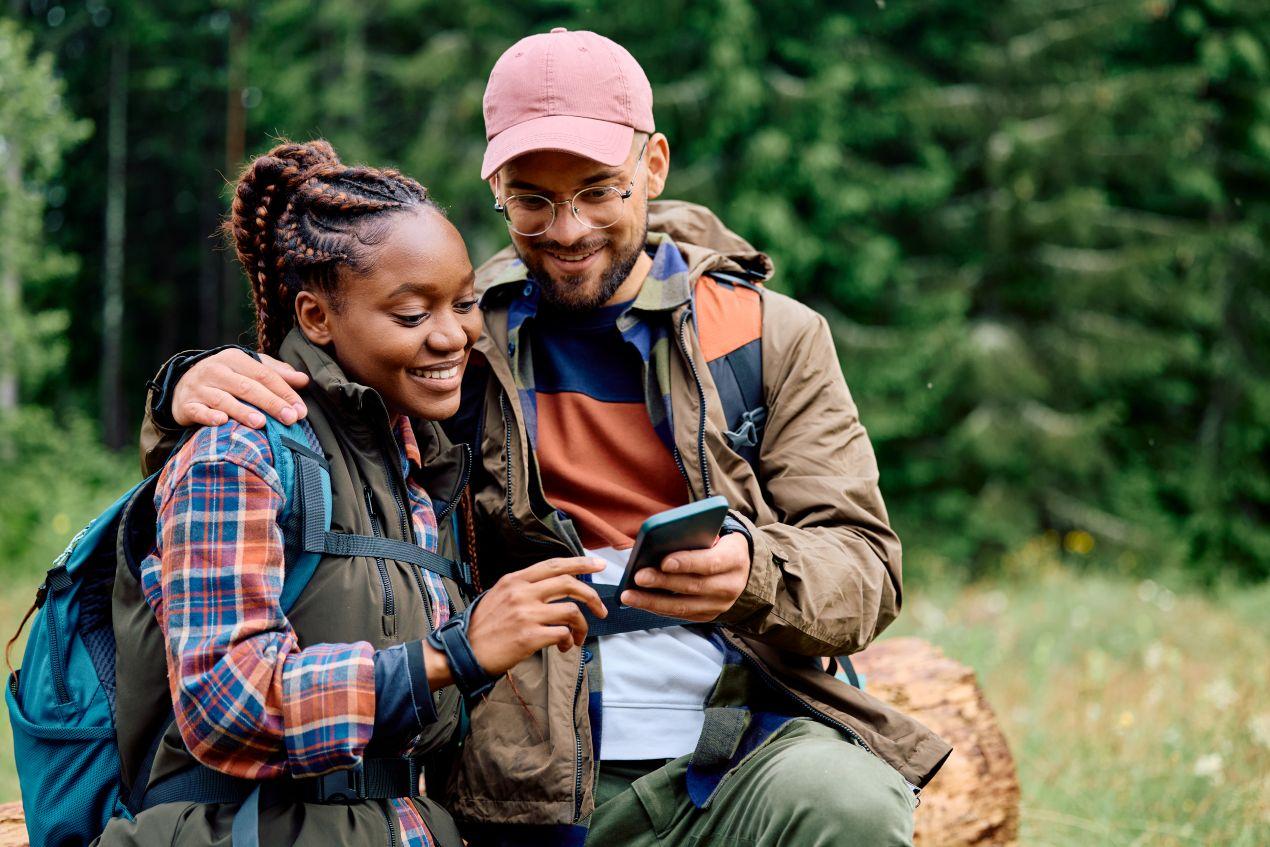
[[346, 599]]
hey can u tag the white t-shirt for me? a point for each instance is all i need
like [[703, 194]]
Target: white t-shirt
[[655, 683]]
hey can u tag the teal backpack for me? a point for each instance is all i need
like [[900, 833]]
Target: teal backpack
[[62, 699]]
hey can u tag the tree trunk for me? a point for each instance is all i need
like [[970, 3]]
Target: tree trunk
[[10, 292], [231, 304], [112, 415], [974, 800]]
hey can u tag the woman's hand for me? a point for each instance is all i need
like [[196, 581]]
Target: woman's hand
[[519, 615], [221, 386], [524, 612]]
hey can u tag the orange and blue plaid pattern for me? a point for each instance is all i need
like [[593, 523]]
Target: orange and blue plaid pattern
[[248, 701]]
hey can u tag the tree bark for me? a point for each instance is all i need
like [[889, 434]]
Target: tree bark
[[112, 414]]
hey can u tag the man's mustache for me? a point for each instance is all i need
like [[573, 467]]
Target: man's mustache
[[582, 247]]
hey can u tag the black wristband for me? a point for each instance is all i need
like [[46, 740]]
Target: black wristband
[[165, 381], [451, 639]]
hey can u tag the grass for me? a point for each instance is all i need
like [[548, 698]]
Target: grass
[[1138, 716]]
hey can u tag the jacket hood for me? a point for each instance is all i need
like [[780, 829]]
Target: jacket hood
[[705, 242]]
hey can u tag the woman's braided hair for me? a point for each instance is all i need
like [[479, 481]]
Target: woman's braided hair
[[299, 214]]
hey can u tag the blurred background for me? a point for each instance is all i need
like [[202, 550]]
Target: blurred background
[[1038, 229]]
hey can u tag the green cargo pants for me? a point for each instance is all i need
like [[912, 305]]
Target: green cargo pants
[[807, 786]]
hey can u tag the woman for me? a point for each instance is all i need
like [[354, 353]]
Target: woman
[[361, 282]]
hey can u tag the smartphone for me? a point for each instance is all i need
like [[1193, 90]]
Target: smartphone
[[691, 527]]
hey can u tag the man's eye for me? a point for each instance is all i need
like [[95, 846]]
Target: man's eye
[[465, 306], [529, 203], [412, 320]]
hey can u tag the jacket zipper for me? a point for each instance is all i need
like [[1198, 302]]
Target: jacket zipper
[[390, 605], [577, 743], [507, 458], [701, 405], [515, 523], [385, 806], [812, 711]]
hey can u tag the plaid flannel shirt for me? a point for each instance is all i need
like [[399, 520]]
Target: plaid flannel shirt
[[249, 702]]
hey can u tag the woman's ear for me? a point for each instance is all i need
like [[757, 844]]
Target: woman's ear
[[313, 315]]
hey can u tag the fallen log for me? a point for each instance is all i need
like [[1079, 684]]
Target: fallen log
[[973, 802]]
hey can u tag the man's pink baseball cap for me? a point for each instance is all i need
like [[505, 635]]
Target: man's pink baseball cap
[[577, 92]]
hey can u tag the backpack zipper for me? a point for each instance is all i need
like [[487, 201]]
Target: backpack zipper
[[55, 648], [701, 405], [390, 606]]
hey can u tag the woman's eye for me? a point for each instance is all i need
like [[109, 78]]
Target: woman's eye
[[465, 306], [412, 320]]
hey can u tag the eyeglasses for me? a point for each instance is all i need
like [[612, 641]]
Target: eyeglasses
[[597, 207]]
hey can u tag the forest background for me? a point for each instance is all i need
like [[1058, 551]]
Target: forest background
[[1038, 229]]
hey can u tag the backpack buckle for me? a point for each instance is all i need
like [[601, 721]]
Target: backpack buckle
[[749, 430], [342, 787]]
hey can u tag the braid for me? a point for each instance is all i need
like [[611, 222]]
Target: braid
[[298, 215]]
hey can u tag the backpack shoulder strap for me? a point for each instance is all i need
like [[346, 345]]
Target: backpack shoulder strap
[[729, 310], [306, 482]]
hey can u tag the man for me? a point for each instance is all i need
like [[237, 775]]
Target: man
[[599, 403]]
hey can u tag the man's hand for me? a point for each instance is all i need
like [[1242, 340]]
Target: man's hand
[[695, 585], [220, 387]]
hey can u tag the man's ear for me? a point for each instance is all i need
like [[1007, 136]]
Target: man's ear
[[313, 315], [658, 164], [493, 184]]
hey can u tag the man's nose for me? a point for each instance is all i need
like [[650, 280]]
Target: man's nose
[[566, 229]]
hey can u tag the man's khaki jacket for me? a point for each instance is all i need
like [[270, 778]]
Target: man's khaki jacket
[[825, 577]]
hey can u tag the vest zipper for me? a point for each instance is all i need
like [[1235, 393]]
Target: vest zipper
[[385, 806], [701, 400], [390, 606], [458, 489], [408, 533]]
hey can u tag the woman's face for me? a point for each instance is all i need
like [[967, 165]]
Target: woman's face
[[406, 324]]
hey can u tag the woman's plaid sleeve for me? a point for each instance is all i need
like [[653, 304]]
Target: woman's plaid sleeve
[[248, 701]]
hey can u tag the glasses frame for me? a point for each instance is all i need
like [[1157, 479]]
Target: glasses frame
[[500, 206]]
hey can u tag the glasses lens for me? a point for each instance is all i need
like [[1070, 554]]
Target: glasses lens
[[529, 214], [599, 207]]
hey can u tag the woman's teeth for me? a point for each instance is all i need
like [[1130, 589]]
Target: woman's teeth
[[441, 374]]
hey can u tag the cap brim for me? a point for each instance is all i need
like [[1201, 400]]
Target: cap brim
[[607, 143]]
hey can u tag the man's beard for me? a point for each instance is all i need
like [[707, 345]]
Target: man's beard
[[566, 294]]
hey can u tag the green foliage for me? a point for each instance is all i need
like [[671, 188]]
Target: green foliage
[[1038, 230], [35, 131], [54, 477]]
